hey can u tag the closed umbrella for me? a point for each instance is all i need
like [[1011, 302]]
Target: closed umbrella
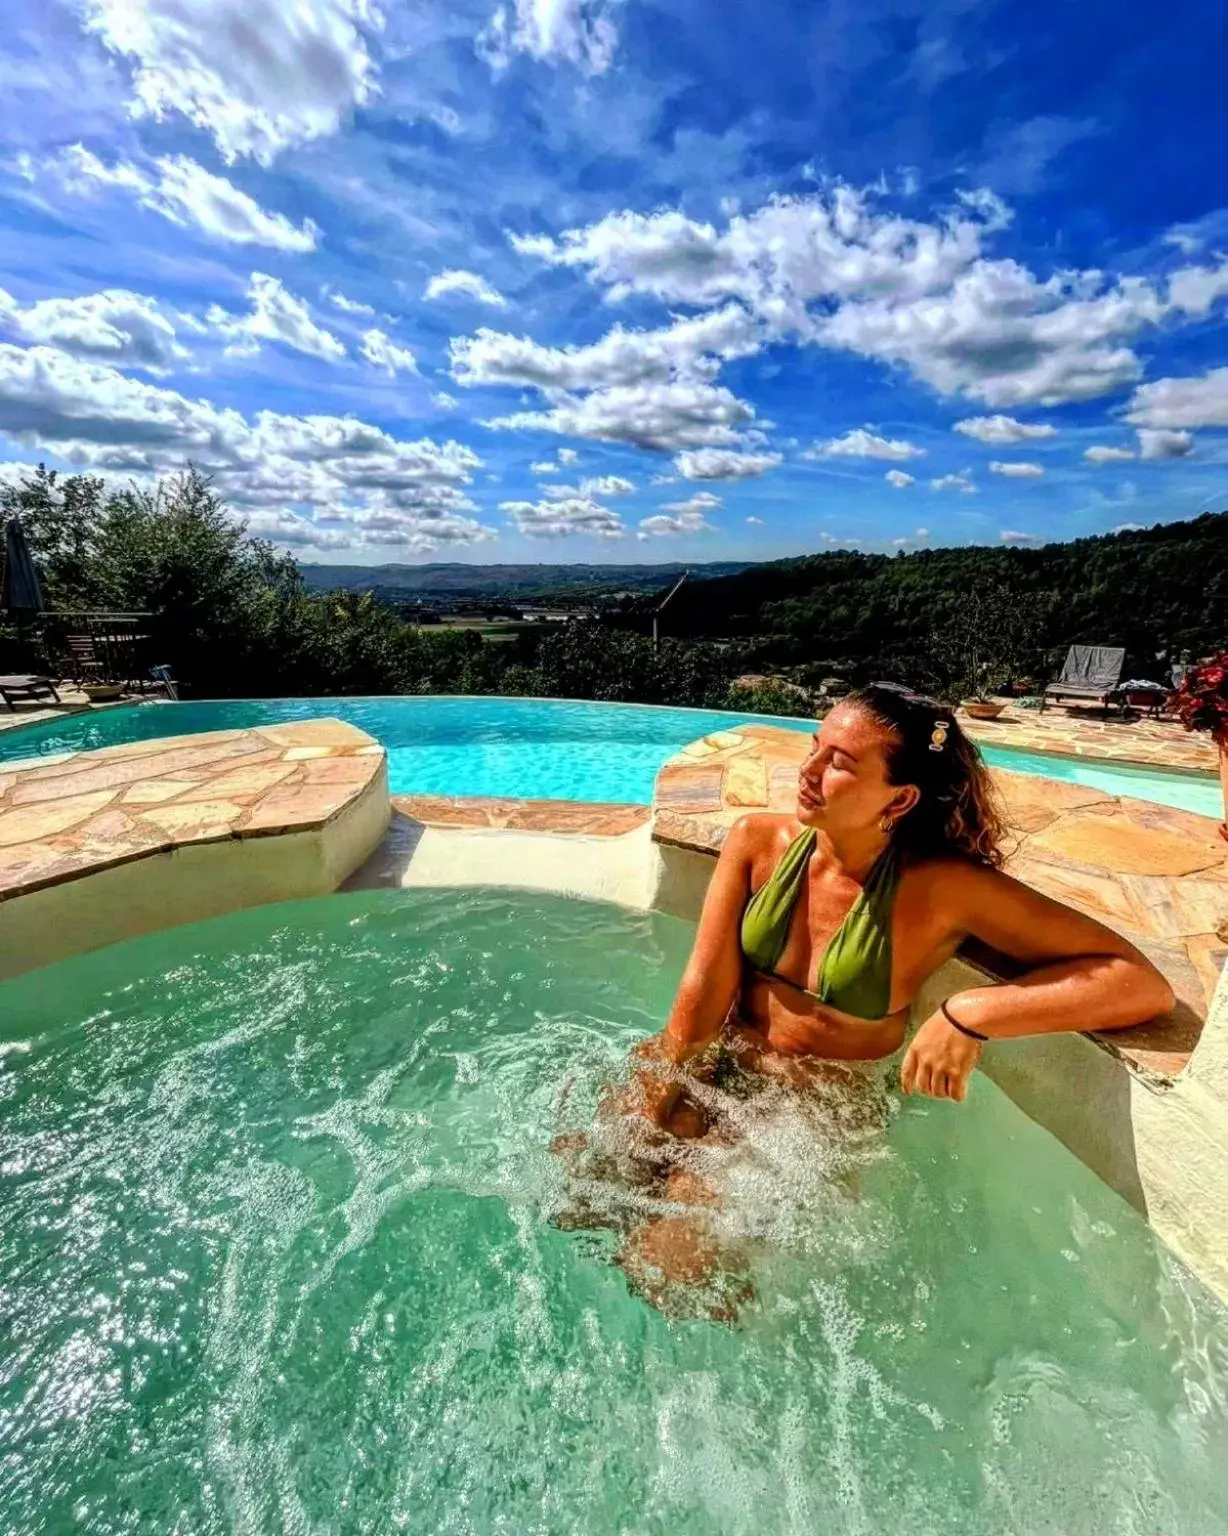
[[20, 592]]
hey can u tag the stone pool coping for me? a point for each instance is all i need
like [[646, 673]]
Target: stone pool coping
[[261, 814], [1157, 875]]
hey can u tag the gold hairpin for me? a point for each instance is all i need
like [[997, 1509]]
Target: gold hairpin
[[938, 738]]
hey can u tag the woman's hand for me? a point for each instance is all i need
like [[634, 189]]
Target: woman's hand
[[940, 1060]]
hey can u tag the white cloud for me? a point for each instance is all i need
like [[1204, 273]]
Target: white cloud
[[468, 283], [1196, 289], [443, 401], [350, 472], [1127, 528], [348, 306], [1014, 536], [560, 519], [188, 195], [114, 326], [921, 533], [1016, 471], [381, 352], [568, 456], [777, 259], [724, 464], [1003, 431], [577, 32], [607, 485], [688, 349], [754, 520], [1099, 454], [835, 269], [900, 543], [276, 315], [256, 74], [659, 525], [961, 482], [900, 479], [1154, 443], [661, 416], [1200, 401], [543, 467], [864, 444], [696, 506]]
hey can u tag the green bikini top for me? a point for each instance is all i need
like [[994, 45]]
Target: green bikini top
[[855, 971]]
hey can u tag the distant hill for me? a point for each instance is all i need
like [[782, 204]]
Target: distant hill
[[453, 579]]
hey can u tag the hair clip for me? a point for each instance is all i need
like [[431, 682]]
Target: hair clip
[[938, 738]]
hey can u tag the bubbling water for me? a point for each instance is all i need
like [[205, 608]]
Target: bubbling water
[[285, 1249]]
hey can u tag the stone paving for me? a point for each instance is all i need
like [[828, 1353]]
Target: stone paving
[[1158, 876], [1082, 733], [68, 815], [575, 816]]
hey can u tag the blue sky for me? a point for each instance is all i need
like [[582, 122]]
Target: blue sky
[[509, 280]]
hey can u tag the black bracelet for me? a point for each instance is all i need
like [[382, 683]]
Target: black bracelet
[[973, 1034]]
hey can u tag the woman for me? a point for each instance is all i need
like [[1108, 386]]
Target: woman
[[820, 927]]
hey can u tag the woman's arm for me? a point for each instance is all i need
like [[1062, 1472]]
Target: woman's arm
[[710, 983], [1081, 976]]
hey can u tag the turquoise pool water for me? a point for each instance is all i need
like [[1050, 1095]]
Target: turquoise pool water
[[276, 1257], [539, 749]]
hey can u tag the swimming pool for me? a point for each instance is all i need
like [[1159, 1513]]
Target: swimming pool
[[277, 1256], [538, 749]]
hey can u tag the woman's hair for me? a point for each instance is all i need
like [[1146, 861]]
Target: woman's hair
[[958, 809]]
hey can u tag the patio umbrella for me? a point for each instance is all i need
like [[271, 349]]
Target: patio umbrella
[[21, 591]]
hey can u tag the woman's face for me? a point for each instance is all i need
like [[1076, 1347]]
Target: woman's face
[[843, 785]]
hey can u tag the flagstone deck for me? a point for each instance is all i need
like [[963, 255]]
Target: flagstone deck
[[575, 816], [318, 788], [1156, 875], [1080, 733]]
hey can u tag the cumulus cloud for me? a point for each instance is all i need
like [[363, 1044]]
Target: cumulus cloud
[[835, 269], [1016, 471], [381, 352], [348, 306], [900, 479], [666, 417], [347, 470], [688, 349], [443, 401], [468, 283], [114, 326], [1003, 431], [559, 519], [702, 501], [921, 533], [724, 464], [607, 485], [568, 456], [1014, 536], [577, 32], [864, 444], [276, 315], [660, 525], [961, 482], [256, 74], [188, 195], [1178, 404], [1098, 454], [758, 520], [1155, 443]]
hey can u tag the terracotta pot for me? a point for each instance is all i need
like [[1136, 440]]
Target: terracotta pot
[[982, 709]]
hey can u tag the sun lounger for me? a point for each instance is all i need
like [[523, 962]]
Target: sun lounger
[[24, 687], [1090, 675]]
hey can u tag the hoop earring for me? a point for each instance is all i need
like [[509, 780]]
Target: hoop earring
[[885, 824]]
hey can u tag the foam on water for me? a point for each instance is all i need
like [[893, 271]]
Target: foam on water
[[280, 1255]]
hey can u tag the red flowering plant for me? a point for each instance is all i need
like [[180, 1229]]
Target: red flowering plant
[[1201, 702]]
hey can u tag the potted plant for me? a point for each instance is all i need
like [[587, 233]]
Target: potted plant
[[1201, 703]]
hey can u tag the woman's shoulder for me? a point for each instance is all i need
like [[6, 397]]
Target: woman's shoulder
[[951, 879], [760, 831]]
